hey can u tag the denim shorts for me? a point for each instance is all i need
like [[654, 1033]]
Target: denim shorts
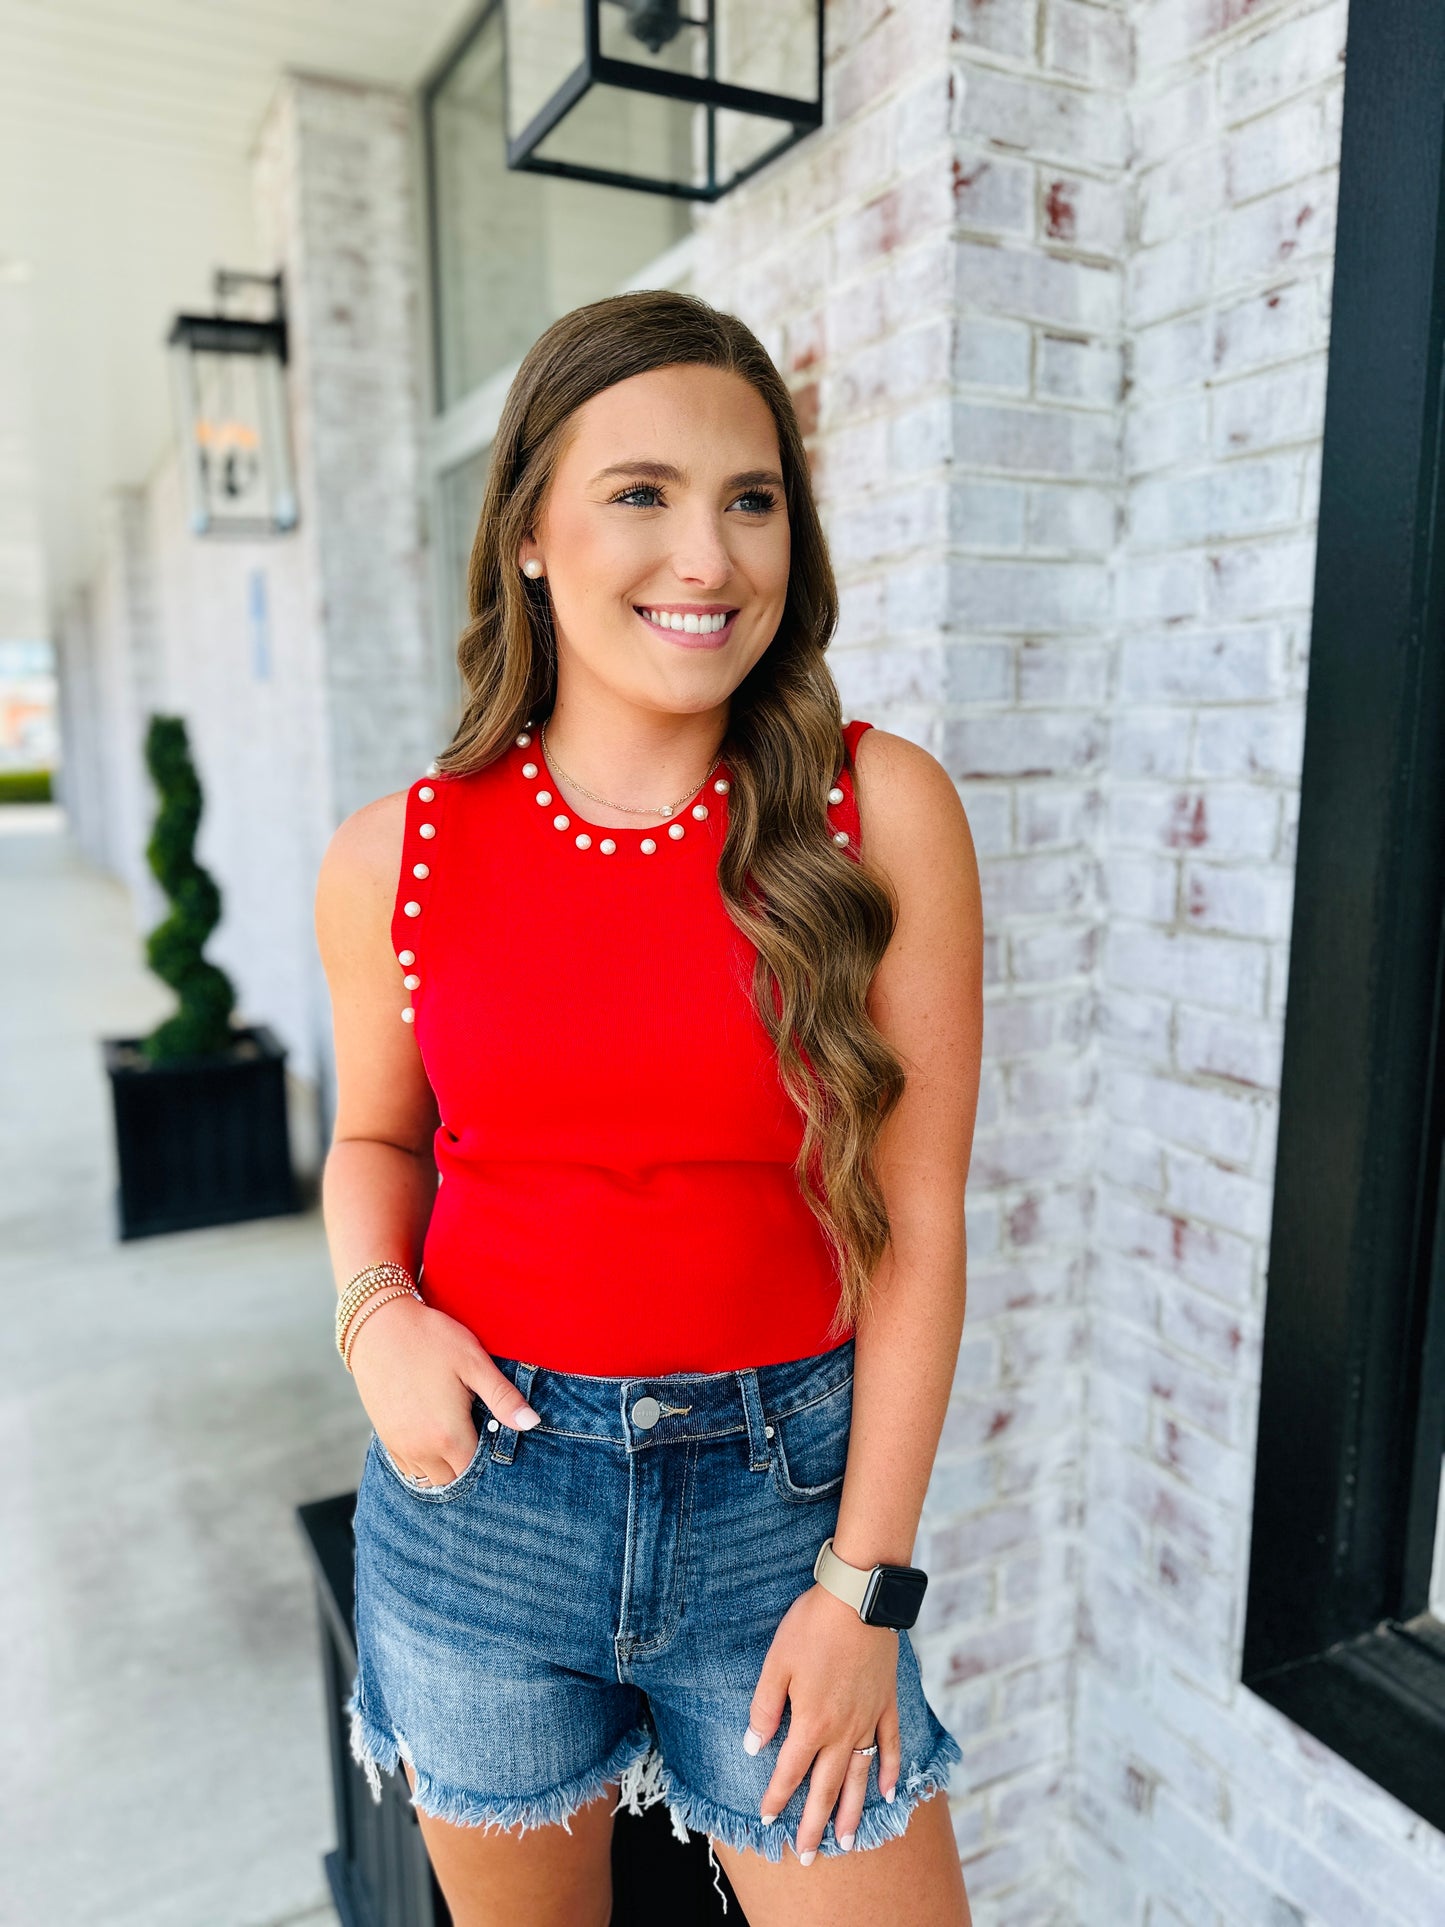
[[592, 1600]]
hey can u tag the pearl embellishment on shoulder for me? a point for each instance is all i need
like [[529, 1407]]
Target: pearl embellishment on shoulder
[[835, 795], [410, 980], [426, 829], [408, 1016], [412, 909], [529, 770], [840, 836], [544, 796], [420, 870], [607, 846], [675, 831], [561, 822], [523, 740], [647, 846], [699, 810], [721, 786], [425, 793], [583, 840], [406, 956]]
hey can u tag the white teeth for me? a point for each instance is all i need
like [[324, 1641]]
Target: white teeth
[[693, 625]]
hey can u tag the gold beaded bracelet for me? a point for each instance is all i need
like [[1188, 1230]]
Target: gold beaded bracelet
[[372, 1304], [365, 1285]]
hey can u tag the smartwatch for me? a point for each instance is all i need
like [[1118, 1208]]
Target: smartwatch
[[883, 1595]]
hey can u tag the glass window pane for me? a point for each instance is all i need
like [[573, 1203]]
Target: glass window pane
[[462, 488], [772, 49], [547, 44], [642, 135], [514, 250], [681, 38], [743, 139]]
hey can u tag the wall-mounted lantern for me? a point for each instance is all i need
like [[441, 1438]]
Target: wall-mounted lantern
[[229, 385], [684, 97]]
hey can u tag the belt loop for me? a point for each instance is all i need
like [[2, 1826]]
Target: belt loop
[[753, 1406], [504, 1445]]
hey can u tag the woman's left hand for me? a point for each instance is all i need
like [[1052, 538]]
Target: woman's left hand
[[842, 1679]]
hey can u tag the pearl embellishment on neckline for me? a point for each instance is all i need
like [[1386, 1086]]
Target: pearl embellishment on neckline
[[606, 845], [648, 844]]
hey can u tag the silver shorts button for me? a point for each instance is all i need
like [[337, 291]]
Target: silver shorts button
[[646, 1412]]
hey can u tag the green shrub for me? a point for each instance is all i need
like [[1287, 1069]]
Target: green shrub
[[202, 1024], [25, 786]]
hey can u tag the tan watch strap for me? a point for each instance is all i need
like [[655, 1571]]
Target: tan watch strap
[[845, 1582]]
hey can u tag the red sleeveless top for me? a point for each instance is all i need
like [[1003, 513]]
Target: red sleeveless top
[[615, 1155]]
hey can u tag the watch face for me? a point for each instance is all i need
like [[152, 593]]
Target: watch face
[[897, 1594]]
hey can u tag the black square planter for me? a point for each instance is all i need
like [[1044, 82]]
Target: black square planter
[[380, 1875], [201, 1140]]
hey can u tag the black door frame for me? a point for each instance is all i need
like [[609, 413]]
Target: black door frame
[[1352, 1399]]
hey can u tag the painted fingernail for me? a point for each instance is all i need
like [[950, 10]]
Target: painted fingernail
[[888, 1796], [768, 1819], [845, 1841], [526, 1419], [808, 1857], [752, 1741]]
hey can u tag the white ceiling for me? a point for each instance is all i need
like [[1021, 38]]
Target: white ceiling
[[125, 133]]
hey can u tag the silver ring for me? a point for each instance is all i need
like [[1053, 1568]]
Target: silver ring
[[417, 1478], [867, 1749]]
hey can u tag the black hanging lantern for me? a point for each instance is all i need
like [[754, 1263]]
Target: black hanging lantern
[[229, 386], [684, 97]]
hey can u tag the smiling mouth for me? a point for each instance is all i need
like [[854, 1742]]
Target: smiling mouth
[[706, 624]]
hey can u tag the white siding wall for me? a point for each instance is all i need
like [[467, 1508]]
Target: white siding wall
[[326, 700]]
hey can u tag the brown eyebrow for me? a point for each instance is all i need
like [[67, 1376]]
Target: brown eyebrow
[[665, 472]]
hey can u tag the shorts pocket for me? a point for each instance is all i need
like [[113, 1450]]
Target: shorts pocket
[[439, 1494], [810, 1445]]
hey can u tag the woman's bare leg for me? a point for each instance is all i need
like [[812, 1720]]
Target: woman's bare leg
[[545, 1877], [916, 1877]]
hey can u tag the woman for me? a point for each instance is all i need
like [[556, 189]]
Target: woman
[[658, 1005]]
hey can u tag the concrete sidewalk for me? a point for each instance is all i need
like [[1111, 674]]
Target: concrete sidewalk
[[164, 1406]]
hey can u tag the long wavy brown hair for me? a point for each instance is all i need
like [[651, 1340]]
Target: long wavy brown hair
[[818, 917]]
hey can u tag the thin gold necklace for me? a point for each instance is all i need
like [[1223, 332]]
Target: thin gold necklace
[[627, 808]]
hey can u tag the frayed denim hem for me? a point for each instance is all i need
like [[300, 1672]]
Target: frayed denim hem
[[376, 1752], [652, 1780]]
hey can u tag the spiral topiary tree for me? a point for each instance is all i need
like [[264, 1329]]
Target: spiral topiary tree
[[202, 1024]]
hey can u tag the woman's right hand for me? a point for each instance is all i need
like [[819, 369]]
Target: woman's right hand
[[416, 1370]]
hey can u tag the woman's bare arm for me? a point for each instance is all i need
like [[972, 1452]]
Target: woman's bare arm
[[927, 999], [839, 1674], [415, 1368], [380, 1179]]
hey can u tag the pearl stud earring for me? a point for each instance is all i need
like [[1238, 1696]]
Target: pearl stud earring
[[532, 567]]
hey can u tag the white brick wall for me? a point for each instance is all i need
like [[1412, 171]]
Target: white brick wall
[[1052, 288]]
